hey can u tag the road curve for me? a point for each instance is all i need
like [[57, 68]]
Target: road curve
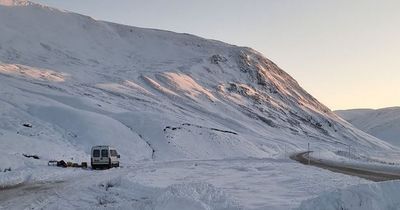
[[376, 176]]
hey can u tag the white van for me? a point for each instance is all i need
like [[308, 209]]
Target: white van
[[104, 157]]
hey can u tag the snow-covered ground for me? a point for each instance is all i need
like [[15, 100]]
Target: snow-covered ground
[[201, 184], [197, 122], [383, 195], [381, 123]]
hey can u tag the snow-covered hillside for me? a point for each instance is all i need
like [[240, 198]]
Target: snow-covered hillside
[[381, 123], [198, 123], [153, 94]]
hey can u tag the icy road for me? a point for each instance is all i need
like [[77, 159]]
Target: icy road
[[368, 172]]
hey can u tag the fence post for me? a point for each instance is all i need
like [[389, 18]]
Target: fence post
[[349, 150], [284, 146], [308, 153]]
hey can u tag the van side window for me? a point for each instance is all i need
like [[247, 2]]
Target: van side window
[[113, 153], [104, 153], [96, 153]]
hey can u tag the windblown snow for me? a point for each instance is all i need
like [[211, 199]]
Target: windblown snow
[[163, 99]]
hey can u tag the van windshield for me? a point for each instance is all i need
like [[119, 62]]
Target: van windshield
[[104, 153], [96, 153]]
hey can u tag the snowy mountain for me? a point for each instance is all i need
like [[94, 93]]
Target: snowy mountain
[[153, 94], [16, 3], [199, 124], [382, 123]]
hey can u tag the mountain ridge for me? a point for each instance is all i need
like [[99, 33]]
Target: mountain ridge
[[383, 123]]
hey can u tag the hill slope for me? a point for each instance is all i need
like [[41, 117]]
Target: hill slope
[[153, 94], [382, 123]]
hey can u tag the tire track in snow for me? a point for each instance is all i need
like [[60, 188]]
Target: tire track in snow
[[27, 195]]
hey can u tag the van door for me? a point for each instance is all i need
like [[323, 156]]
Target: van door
[[104, 155], [96, 155]]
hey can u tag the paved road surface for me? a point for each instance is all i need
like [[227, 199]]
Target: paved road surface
[[376, 176]]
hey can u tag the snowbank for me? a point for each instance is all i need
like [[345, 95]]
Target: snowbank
[[194, 196], [382, 196], [120, 193], [38, 175], [87, 129]]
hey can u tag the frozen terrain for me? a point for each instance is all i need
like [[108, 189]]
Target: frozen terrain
[[186, 184], [362, 197], [197, 122], [382, 123]]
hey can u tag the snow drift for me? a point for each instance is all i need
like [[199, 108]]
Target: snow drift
[[383, 196]]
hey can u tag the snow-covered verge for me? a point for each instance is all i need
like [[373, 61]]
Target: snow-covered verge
[[16, 178], [196, 184], [120, 193], [381, 123], [382, 196]]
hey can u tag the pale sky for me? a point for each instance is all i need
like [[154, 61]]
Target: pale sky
[[344, 52]]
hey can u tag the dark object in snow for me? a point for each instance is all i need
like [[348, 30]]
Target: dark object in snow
[[7, 169], [62, 163], [231, 132], [31, 156], [28, 125]]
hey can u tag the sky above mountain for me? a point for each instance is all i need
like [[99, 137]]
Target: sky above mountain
[[344, 52]]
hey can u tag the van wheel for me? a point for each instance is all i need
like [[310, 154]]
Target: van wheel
[[117, 165]]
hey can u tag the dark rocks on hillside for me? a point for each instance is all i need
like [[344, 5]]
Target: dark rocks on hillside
[[31, 156], [28, 125], [6, 169], [216, 59]]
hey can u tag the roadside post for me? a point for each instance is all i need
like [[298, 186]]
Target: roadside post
[[349, 151], [308, 153], [285, 151]]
